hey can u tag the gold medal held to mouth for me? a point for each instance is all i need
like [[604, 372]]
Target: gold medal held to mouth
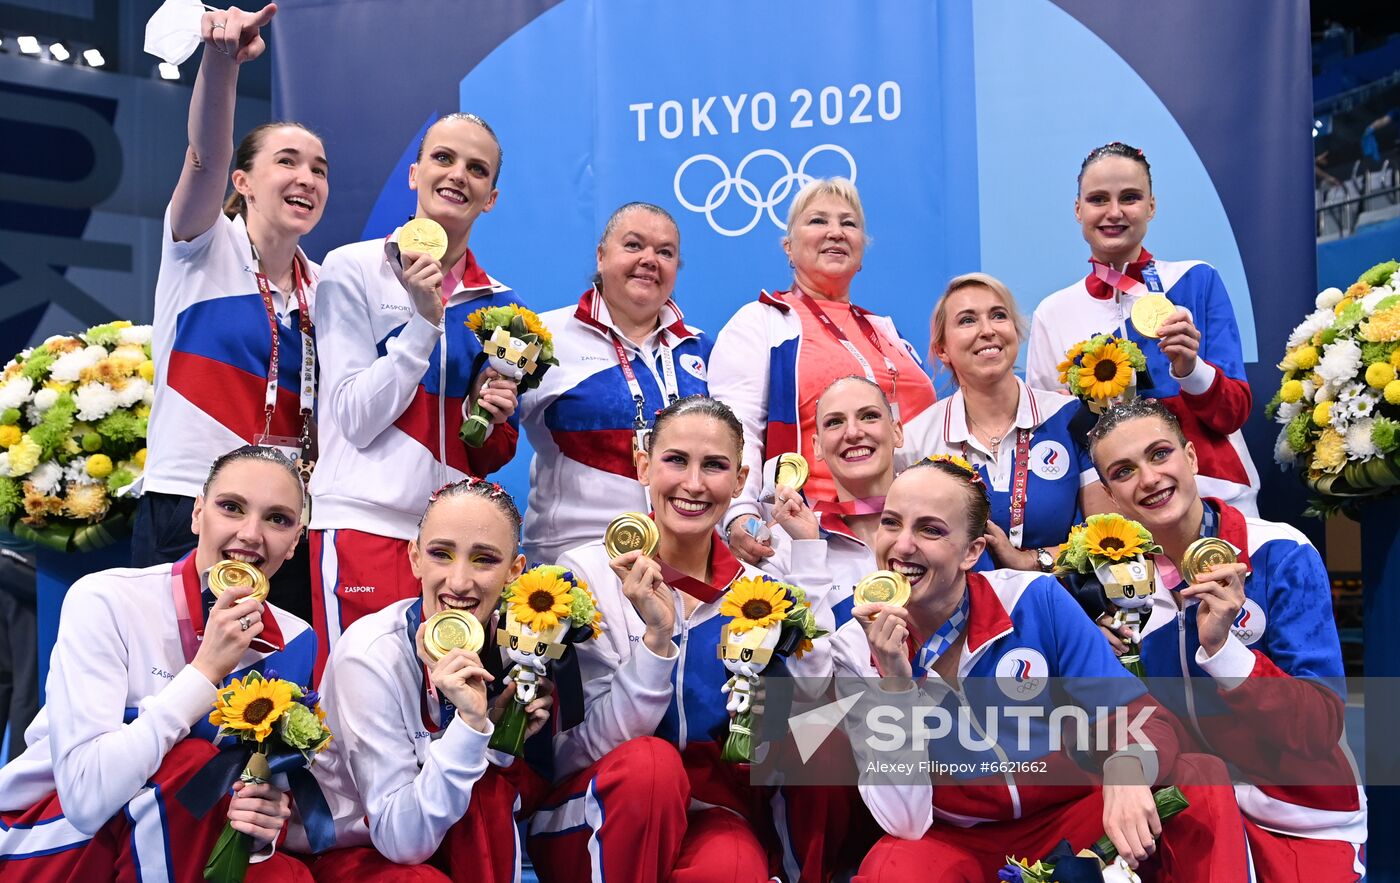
[[1204, 554], [450, 629], [1150, 312], [424, 235], [630, 531], [884, 587], [792, 471], [230, 574]]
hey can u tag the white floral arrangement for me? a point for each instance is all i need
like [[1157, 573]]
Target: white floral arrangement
[[73, 414], [1339, 401]]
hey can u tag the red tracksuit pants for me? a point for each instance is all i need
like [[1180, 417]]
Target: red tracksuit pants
[[153, 837], [645, 814], [354, 574], [1204, 844], [483, 845]]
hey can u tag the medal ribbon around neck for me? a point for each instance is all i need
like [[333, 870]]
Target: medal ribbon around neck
[[1020, 481], [861, 506], [840, 337], [640, 423], [427, 693], [189, 594], [306, 395], [942, 640]]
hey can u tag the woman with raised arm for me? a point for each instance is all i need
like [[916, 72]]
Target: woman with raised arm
[[399, 362], [1260, 630], [776, 356], [412, 729], [1194, 357], [232, 344], [978, 648], [141, 655], [641, 789], [624, 353]]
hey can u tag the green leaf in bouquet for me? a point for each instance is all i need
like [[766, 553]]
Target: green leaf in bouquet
[[1170, 801], [1380, 274], [228, 861]]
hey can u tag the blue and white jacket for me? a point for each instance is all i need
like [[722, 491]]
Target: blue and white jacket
[[1212, 403], [1023, 630], [1277, 710], [580, 421]]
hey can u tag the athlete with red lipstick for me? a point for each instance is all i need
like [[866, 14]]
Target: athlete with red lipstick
[[1195, 362], [1261, 632], [641, 792], [140, 656], [399, 364], [411, 733], [234, 301]]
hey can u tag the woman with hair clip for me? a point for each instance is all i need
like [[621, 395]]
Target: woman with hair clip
[[411, 731], [641, 790], [774, 358], [233, 341], [1193, 351], [1026, 443], [1260, 630], [624, 353], [399, 363], [957, 644], [140, 656]]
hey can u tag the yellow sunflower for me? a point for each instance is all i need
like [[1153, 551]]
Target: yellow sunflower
[[1114, 537], [477, 319], [252, 704], [1074, 353], [754, 603], [1107, 373], [540, 599], [534, 325]]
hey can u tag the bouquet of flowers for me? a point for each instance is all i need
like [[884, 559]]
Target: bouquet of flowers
[[1104, 565], [73, 435], [1100, 862], [767, 618], [278, 727], [517, 345], [1339, 401], [1103, 370], [546, 610]]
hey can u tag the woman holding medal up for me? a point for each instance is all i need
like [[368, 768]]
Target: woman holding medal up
[[1178, 312], [625, 353], [139, 658], [856, 438], [233, 344], [412, 719], [1261, 631], [398, 363], [647, 748], [774, 358], [1026, 443], [956, 640]]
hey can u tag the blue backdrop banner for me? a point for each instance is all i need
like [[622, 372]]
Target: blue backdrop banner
[[963, 124]]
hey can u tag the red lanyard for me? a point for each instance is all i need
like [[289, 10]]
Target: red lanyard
[[307, 393], [870, 333], [668, 370], [1020, 479]]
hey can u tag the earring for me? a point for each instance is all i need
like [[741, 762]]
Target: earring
[[791, 265]]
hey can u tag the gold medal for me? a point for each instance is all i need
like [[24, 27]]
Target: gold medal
[[228, 574], [883, 587], [449, 629], [1204, 554], [1150, 312], [423, 235], [630, 531], [792, 471]]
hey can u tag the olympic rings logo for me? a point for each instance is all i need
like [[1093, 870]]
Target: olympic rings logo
[[786, 185]]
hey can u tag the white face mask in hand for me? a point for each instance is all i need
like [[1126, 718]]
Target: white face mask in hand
[[173, 33]]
